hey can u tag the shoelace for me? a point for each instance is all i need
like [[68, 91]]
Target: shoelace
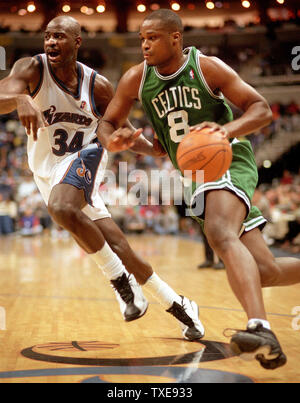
[[122, 286], [179, 312]]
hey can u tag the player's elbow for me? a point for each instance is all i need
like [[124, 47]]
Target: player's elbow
[[264, 115], [268, 114]]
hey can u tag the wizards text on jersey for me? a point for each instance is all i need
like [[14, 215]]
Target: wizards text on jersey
[[53, 117]]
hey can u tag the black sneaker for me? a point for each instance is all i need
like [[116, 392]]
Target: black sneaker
[[258, 343], [133, 304], [187, 313]]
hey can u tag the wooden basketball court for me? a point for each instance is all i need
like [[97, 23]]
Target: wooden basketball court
[[60, 321]]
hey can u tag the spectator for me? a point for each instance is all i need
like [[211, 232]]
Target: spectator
[[166, 222], [30, 223], [261, 201], [26, 187], [133, 221], [149, 213], [211, 258], [8, 214], [291, 240], [287, 178]]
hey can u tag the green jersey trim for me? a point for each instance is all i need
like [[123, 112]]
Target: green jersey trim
[[224, 183], [165, 78], [142, 82], [221, 96], [254, 223]]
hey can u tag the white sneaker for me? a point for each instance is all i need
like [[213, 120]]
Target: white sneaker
[[187, 314], [133, 304]]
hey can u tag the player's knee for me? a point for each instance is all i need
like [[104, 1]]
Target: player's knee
[[269, 273], [219, 236], [63, 214], [120, 246]]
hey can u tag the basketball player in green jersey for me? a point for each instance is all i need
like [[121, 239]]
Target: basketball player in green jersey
[[181, 90]]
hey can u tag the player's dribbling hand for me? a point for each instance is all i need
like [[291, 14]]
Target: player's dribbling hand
[[30, 115], [122, 139], [214, 128]]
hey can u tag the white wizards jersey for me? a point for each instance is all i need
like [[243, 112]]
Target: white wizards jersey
[[72, 118]]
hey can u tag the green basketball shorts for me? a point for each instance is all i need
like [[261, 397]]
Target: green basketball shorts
[[241, 179]]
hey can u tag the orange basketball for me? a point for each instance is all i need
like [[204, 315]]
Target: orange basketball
[[201, 150]]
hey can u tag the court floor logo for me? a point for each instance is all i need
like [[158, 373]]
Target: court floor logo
[[102, 362], [101, 353]]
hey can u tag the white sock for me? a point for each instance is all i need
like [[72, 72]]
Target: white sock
[[109, 262], [161, 291], [265, 323]]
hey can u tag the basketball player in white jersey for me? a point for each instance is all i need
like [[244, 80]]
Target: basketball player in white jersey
[[60, 102]]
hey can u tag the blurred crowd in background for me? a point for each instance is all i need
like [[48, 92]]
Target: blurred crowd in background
[[249, 61], [286, 118], [228, 25], [23, 211]]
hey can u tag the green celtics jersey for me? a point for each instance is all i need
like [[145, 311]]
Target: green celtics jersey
[[176, 102]]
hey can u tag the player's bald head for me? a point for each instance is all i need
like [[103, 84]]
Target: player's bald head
[[67, 23], [168, 20]]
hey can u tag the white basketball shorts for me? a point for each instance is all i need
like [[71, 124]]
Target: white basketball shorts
[[84, 170]]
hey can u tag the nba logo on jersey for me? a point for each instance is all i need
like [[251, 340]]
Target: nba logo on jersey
[[192, 74], [82, 105]]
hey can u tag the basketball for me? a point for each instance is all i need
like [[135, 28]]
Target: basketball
[[203, 150]]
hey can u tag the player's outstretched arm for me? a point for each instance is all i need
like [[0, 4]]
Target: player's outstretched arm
[[222, 79], [14, 94], [104, 94], [115, 132]]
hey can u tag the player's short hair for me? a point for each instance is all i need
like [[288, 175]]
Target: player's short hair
[[168, 18]]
